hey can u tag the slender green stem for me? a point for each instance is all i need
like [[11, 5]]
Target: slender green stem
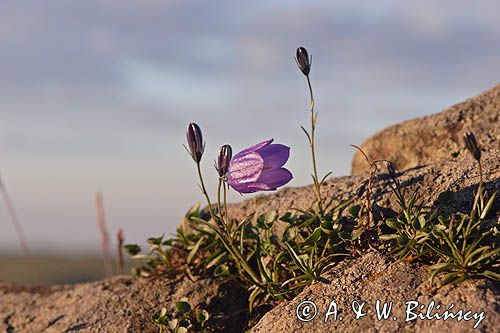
[[204, 190], [227, 242], [219, 207], [480, 174], [478, 200], [477, 196], [481, 184], [225, 204], [313, 154]]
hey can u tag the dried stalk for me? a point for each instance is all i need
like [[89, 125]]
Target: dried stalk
[[101, 222]]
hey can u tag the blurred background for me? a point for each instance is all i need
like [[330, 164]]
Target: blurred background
[[95, 96]]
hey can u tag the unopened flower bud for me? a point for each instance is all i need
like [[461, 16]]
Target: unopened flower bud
[[223, 160], [303, 60], [195, 142], [391, 169], [471, 145]]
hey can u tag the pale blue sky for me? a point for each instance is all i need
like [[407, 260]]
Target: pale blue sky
[[95, 95]]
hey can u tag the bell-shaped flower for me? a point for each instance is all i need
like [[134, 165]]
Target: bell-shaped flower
[[259, 168]]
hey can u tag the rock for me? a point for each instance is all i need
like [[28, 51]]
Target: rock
[[118, 304], [377, 277], [447, 186], [436, 138]]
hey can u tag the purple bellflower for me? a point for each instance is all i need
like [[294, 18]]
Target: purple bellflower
[[259, 168]]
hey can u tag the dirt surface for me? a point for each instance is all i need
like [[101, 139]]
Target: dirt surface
[[122, 304], [438, 137]]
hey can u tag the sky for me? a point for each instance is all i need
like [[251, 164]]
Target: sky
[[95, 96]]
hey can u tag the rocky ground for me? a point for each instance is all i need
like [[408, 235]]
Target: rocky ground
[[429, 155]]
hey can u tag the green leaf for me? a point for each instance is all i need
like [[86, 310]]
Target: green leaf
[[288, 217], [357, 234], [202, 316], [221, 270], [345, 235], [132, 249], [253, 297], [488, 206], [307, 134], [168, 242], [446, 197], [453, 278], [491, 275], [396, 225], [183, 306], [439, 268], [325, 177], [172, 324], [251, 232], [265, 274], [309, 221], [439, 227], [487, 255], [315, 236], [422, 221], [193, 251], [427, 229], [310, 261], [354, 210], [470, 256], [451, 244], [193, 211], [266, 220], [289, 234], [245, 221], [183, 326], [160, 317], [215, 260], [296, 258], [156, 240], [327, 227], [402, 240]]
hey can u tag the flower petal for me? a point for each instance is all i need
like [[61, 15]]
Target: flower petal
[[275, 177], [275, 156], [245, 169], [254, 148], [252, 187]]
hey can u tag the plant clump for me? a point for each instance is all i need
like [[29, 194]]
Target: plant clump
[[275, 267]]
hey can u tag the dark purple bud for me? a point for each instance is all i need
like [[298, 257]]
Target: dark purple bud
[[303, 60], [223, 160], [471, 145], [195, 142], [391, 169]]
